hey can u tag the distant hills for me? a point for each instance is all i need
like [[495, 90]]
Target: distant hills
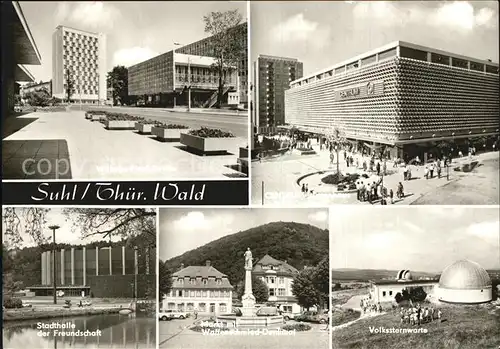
[[347, 274], [298, 244]]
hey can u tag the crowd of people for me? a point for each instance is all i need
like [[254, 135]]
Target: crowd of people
[[367, 306], [416, 315]]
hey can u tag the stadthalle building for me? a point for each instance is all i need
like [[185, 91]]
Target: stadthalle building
[[404, 96]]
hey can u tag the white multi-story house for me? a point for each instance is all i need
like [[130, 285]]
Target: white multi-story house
[[203, 288], [83, 55], [278, 276]]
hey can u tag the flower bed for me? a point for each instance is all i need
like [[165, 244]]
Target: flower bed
[[343, 182], [297, 327], [209, 141], [168, 132], [304, 151]]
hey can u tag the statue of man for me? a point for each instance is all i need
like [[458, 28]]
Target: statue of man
[[248, 258]]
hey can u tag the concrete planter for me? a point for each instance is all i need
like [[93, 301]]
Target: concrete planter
[[119, 124], [208, 145], [143, 128], [168, 134], [98, 117], [304, 151], [243, 163], [244, 153]]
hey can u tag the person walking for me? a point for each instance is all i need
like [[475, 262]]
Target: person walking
[[426, 172], [391, 195], [431, 170], [378, 168]]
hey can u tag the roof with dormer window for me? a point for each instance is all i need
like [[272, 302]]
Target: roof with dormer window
[[201, 277], [281, 268]]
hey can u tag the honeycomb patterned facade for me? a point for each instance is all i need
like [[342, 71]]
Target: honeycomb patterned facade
[[83, 55], [382, 97], [445, 101]]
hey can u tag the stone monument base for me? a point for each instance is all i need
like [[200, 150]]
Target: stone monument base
[[248, 302], [250, 321]]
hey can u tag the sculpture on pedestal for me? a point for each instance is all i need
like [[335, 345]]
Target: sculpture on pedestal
[[248, 259], [248, 298]]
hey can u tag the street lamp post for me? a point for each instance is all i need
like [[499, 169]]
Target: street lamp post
[[189, 83], [54, 268], [136, 267]]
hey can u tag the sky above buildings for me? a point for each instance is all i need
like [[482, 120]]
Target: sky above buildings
[[321, 34], [67, 233], [182, 230], [136, 31], [416, 238]]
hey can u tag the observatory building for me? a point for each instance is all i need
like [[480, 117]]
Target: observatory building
[[382, 291], [465, 282]]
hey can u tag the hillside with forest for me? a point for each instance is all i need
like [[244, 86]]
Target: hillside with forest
[[298, 244]]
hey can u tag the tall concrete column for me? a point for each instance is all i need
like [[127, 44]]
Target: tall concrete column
[[123, 260], [49, 267], [97, 261], [43, 260], [72, 265], [84, 266], [248, 299], [110, 263], [62, 266]]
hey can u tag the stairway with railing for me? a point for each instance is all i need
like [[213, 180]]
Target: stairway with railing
[[213, 98]]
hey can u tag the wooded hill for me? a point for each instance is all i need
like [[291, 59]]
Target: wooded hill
[[298, 244]]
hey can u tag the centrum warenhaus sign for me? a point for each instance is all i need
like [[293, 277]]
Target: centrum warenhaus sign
[[364, 90]]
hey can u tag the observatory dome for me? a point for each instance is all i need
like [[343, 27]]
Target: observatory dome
[[404, 275], [465, 282]]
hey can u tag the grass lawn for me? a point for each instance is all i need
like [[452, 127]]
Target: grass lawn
[[463, 327], [340, 317]]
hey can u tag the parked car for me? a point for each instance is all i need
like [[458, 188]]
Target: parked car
[[60, 293], [164, 316], [289, 316], [18, 109], [313, 316], [176, 314], [27, 305]]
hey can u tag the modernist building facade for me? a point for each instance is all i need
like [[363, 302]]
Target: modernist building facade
[[278, 276], [164, 79], [97, 271], [18, 49], [273, 76], [82, 55], [404, 96], [201, 288], [463, 282], [202, 48]]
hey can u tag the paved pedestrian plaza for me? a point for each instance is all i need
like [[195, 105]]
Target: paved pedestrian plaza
[[64, 145], [176, 334], [278, 180]]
